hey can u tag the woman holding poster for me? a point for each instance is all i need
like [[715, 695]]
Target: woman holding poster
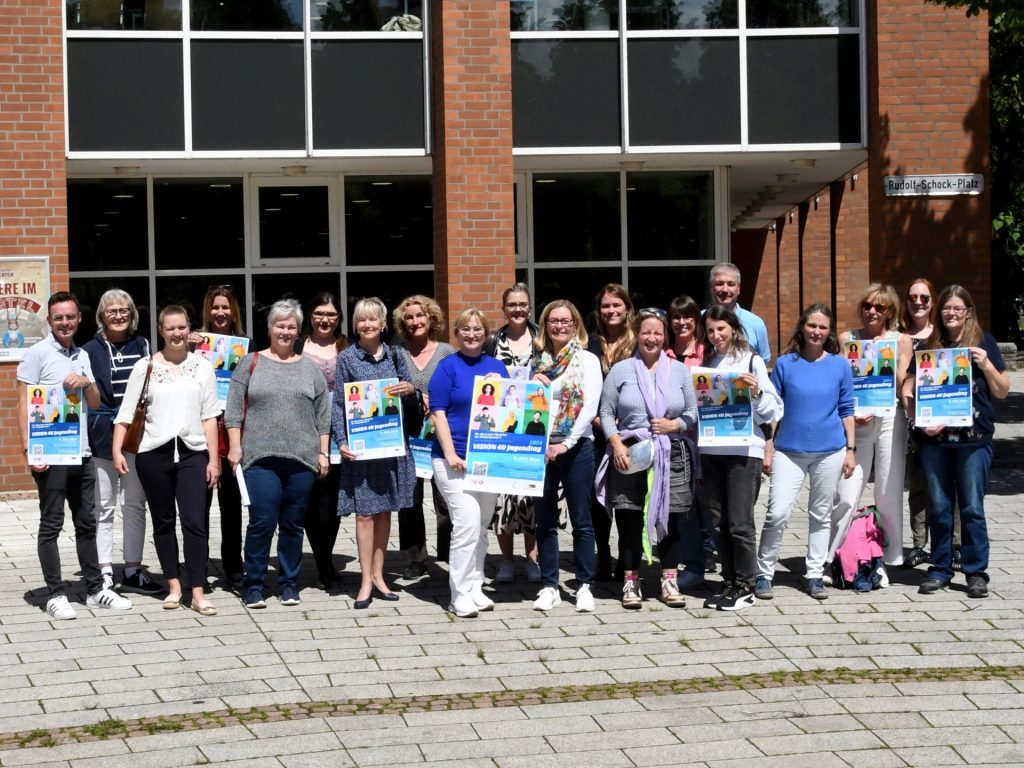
[[956, 460], [372, 488], [575, 378], [880, 440], [732, 474], [651, 398], [451, 404]]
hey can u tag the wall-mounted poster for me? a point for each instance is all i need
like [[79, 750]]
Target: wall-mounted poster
[[24, 289]]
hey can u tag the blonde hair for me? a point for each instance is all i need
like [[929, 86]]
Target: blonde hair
[[469, 312], [121, 297], [543, 341], [370, 306], [612, 353], [430, 307], [883, 293]]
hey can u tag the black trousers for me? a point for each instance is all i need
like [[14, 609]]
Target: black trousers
[[76, 484], [412, 526], [322, 522]]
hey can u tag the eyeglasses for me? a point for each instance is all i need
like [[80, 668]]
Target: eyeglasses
[[955, 311], [920, 298], [325, 315], [475, 330], [879, 308], [518, 305], [565, 322], [652, 312], [117, 312]]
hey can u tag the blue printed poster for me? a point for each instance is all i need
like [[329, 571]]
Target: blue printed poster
[[55, 419], [223, 352], [724, 413], [373, 419], [508, 436], [420, 448], [873, 364], [942, 388]]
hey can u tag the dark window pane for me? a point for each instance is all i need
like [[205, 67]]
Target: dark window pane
[[247, 94], [670, 216], [125, 95], [365, 15], [684, 92], [802, 13], [247, 15], [190, 290], [368, 94], [388, 220], [576, 217], [681, 14], [268, 288], [562, 15], [804, 89], [124, 14], [657, 286], [565, 93], [89, 289], [391, 290], [107, 224], [198, 222], [294, 223], [579, 286]]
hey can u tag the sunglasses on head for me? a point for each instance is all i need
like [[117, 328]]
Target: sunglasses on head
[[219, 289], [652, 312]]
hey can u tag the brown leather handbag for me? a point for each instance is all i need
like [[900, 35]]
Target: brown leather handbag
[[133, 437]]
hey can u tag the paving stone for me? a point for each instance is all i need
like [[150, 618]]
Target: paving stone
[[375, 736], [606, 758], [63, 752], [871, 758], [491, 748], [925, 737], [165, 757], [279, 745], [675, 754]]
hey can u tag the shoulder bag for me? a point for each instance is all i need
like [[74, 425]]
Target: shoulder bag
[[412, 406], [133, 437]]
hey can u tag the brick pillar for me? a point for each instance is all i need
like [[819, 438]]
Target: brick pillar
[[928, 106], [33, 195], [471, 99]]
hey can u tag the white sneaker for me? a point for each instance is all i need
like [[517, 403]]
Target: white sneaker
[[108, 598], [59, 608], [463, 607], [547, 599], [506, 573], [883, 576], [480, 600], [584, 599], [533, 572], [108, 580]]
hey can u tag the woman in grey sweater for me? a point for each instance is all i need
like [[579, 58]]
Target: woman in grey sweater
[[278, 419]]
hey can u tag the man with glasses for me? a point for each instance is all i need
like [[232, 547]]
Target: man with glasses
[[56, 361], [724, 283]]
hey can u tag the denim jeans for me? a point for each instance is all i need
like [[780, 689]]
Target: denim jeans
[[732, 484], [278, 493], [74, 483], [957, 474], [575, 471]]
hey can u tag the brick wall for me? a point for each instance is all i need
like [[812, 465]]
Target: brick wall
[[33, 219], [474, 228]]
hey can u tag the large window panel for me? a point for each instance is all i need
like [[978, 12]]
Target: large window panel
[[268, 288], [564, 15], [576, 217], [365, 15], [565, 93], [670, 215], [580, 286], [125, 95], [247, 94], [294, 222], [390, 289], [107, 224], [804, 89], [388, 220], [189, 291], [368, 94], [776, 14], [681, 14], [657, 286], [684, 91], [124, 14], [246, 15], [198, 222]]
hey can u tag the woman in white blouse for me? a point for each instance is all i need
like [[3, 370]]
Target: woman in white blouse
[[178, 457]]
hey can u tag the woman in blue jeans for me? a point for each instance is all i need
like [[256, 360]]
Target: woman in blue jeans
[[278, 419], [575, 378], [956, 460]]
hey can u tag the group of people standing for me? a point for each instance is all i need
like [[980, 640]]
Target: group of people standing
[[623, 448]]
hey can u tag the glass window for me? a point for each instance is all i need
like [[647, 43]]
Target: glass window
[[657, 286], [198, 222], [802, 13], [246, 15], [294, 223], [576, 217], [89, 289], [107, 224], [391, 291], [247, 94], [368, 94], [579, 286], [681, 14], [670, 216], [366, 15], [268, 288], [125, 95], [684, 92], [388, 220], [804, 89], [564, 15], [124, 14], [190, 290], [565, 93]]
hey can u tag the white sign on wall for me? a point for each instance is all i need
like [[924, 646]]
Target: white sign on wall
[[937, 185]]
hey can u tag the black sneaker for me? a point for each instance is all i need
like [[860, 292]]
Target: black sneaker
[[736, 599], [140, 583], [931, 585], [710, 565], [723, 593], [417, 569], [957, 564], [977, 587], [916, 557]]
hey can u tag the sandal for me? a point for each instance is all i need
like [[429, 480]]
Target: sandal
[[172, 602], [204, 608]]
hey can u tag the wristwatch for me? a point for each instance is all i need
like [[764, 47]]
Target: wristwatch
[[325, 455], [852, 448]]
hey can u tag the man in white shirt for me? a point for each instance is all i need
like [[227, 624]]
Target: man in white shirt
[[56, 361], [725, 291]]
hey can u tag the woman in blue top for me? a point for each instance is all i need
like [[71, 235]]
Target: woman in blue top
[[815, 438], [451, 403]]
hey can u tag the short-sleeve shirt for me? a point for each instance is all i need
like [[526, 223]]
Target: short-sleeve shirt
[[451, 391]]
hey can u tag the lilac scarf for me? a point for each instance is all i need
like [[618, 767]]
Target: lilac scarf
[[656, 402]]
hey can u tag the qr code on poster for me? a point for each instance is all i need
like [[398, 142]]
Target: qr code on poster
[[926, 413], [480, 468], [358, 445]]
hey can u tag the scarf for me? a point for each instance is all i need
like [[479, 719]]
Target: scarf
[[569, 368], [655, 397]]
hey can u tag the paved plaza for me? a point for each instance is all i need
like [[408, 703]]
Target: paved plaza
[[890, 678]]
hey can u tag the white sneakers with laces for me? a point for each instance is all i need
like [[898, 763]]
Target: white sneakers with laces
[[547, 599], [108, 598], [584, 599], [59, 608]]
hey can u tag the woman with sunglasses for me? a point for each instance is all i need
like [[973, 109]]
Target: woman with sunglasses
[[575, 378], [956, 460], [222, 314], [322, 341], [880, 441], [650, 397]]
